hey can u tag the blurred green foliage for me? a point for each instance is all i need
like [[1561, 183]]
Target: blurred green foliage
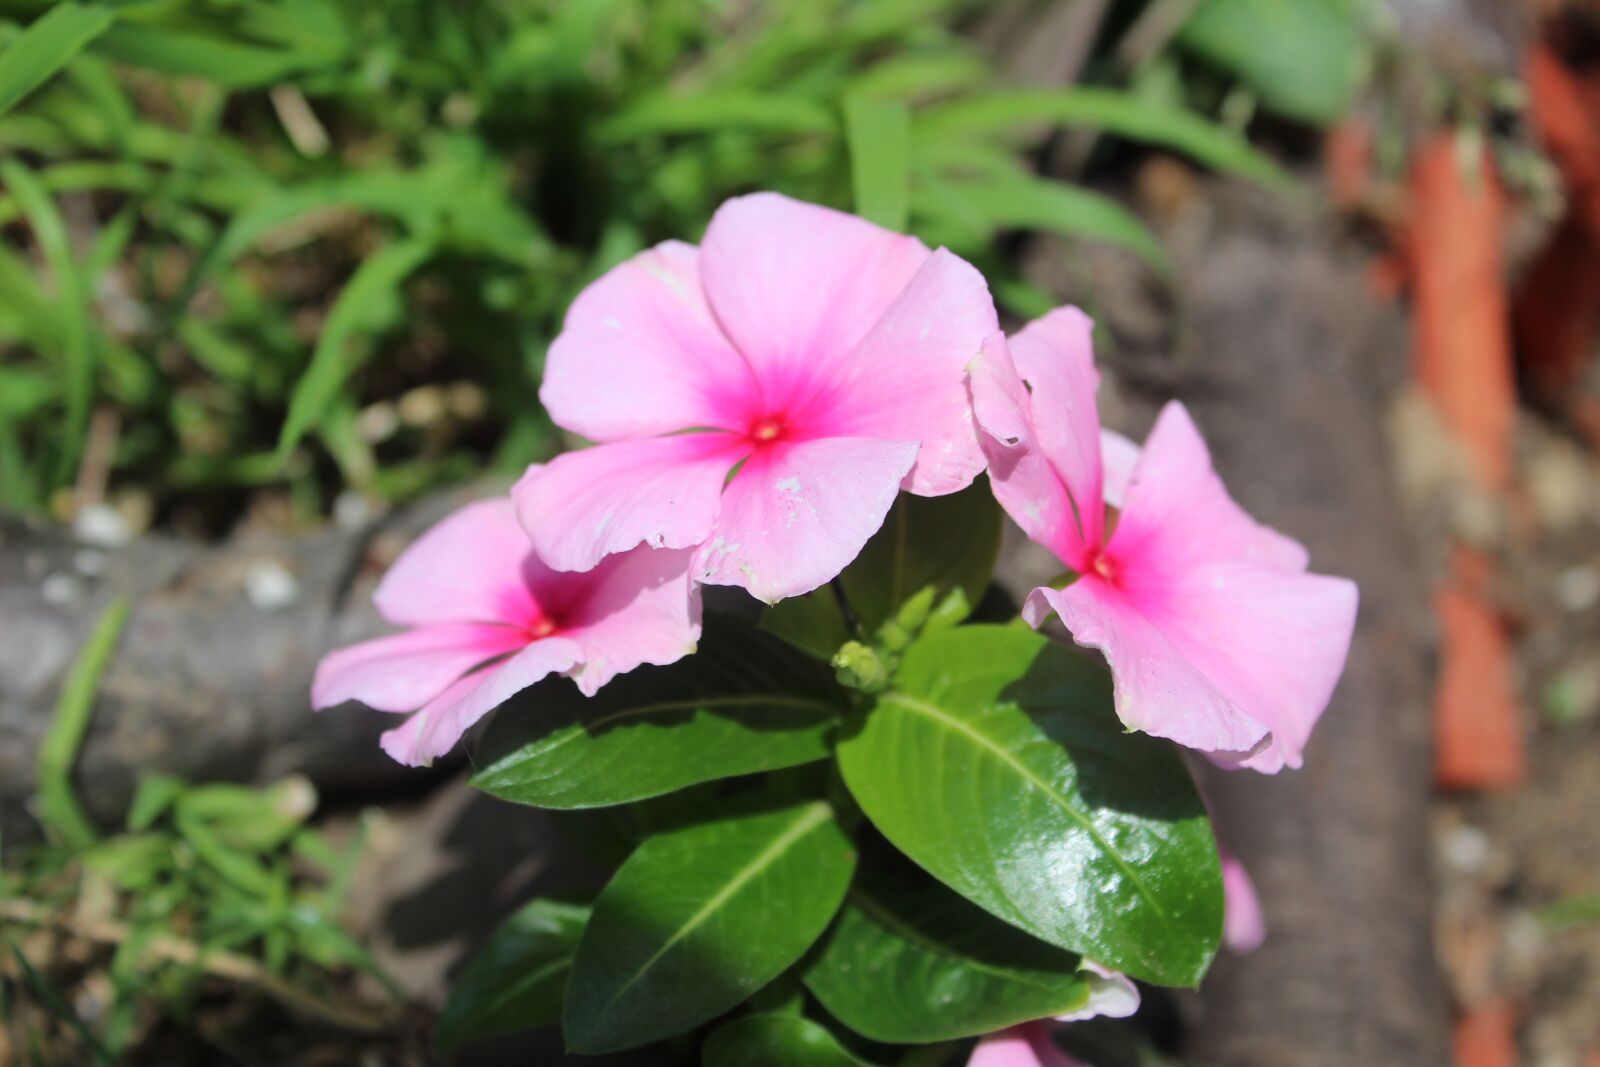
[[206, 880], [318, 244]]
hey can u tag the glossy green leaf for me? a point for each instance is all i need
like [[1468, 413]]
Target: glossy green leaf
[[786, 1040], [699, 918], [878, 133], [46, 46], [517, 979], [378, 279], [742, 703], [1303, 58], [908, 961], [1110, 111], [998, 764]]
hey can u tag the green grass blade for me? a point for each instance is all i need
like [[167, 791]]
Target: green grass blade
[[216, 59], [879, 134], [715, 112], [71, 305], [379, 277], [58, 1006], [1111, 111], [59, 808], [1028, 203], [46, 46]]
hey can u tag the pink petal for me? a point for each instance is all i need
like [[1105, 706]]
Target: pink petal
[[796, 514], [406, 670], [906, 381], [640, 354], [433, 731], [467, 568], [1020, 474], [1112, 995], [1177, 499], [1158, 689], [1244, 926], [640, 608], [1055, 356], [1119, 456], [1274, 642], [662, 492], [1216, 637], [1026, 1045], [1227, 658], [797, 286]]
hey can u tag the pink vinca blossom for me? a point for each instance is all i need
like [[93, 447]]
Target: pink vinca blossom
[[1030, 1044], [820, 363], [1244, 924], [487, 619], [1216, 635]]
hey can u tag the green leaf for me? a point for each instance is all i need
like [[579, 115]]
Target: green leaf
[[998, 764], [59, 808], [910, 962], [812, 623], [377, 280], [155, 794], [46, 46], [788, 1040], [915, 76], [699, 918], [256, 820], [1110, 111], [133, 862], [743, 703], [1305, 59], [715, 113], [517, 979], [71, 311], [879, 134], [202, 55], [1027, 202], [946, 545], [949, 543], [236, 865]]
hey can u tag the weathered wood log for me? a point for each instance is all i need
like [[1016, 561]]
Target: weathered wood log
[[210, 677], [1282, 364]]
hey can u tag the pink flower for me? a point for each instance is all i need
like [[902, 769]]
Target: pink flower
[[1030, 1044], [820, 361], [488, 619], [1244, 926], [1216, 635], [1024, 1045]]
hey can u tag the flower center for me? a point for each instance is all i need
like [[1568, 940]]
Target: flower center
[[767, 428], [541, 629], [1105, 567]]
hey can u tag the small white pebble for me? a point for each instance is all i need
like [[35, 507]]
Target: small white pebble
[[89, 562], [1466, 849], [61, 589], [1578, 588], [351, 510], [102, 525], [269, 585]]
